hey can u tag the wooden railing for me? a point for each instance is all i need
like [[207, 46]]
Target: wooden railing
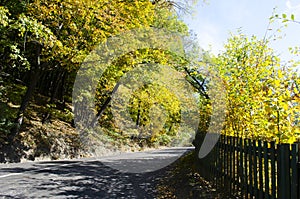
[[247, 168]]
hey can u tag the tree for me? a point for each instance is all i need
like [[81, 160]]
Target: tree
[[54, 37], [262, 100], [49, 38]]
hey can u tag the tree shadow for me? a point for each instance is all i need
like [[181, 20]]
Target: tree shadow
[[12, 151], [83, 179]]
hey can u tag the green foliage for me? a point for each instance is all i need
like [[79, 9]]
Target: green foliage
[[261, 99], [15, 7], [17, 33], [165, 19], [147, 102], [56, 113], [146, 109], [283, 17], [10, 96], [4, 20], [94, 22], [67, 32]]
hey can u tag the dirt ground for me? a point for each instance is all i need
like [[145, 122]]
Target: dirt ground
[[184, 182]]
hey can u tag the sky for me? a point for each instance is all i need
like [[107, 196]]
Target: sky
[[214, 21]]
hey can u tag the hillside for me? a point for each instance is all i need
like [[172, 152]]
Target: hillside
[[48, 131], [40, 137]]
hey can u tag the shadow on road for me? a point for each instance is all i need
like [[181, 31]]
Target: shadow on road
[[78, 179]]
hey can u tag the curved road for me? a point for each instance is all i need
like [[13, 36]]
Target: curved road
[[128, 175]]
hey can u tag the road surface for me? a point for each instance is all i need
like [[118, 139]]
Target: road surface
[[128, 175]]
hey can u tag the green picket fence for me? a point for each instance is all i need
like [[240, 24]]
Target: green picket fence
[[247, 168]]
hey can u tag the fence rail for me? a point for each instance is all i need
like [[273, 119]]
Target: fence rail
[[253, 169]]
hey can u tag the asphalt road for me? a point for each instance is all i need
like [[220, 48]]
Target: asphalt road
[[128, 175]]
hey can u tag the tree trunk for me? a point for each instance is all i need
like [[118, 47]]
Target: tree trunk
[[29, 92], [63, 88], [57, 85], [104, 106]]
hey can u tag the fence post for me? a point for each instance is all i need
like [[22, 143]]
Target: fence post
[[247, 168], [267, 169], [284, 186], [255, 168], [274, 175], [294, 168], [250, 150], [298, 164], [260, 169], [230, 167]]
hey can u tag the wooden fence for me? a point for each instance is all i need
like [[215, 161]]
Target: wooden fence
[[247, 168]]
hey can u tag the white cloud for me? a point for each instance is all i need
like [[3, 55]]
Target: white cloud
[[293, 7]]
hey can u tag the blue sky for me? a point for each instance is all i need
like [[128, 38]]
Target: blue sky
[[214, 21]]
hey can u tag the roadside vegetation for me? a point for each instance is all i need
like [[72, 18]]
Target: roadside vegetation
[[43, 44]]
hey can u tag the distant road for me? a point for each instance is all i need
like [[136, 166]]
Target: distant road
[[119, 176]]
